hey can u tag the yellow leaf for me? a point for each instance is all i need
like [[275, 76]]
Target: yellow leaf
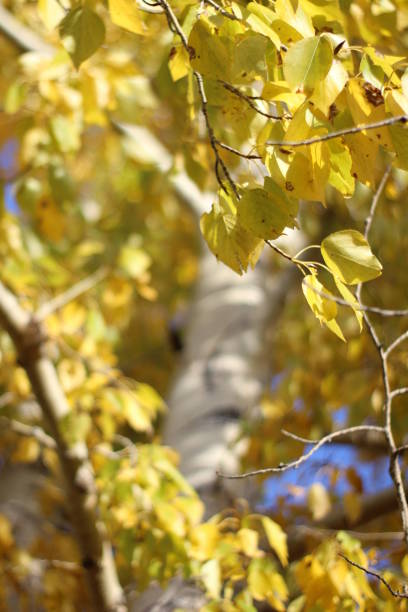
[[51, 13], [248, 539], [276, 538], [210, 53], [211, 577], [204, 539], [349, 297], [227, 238], [327, 90], [324, 308], [265, 583], [171, 518], [266, 212], [318, 501], [364, 155], [135, 414], [50, 221], [26, 451], [352, 506], [367, 106], [126, 14], [134, 261], [348, 255], [307, 63], [404, 565], [179, 63], [298, 23], [308, 173], [72, 374], [6, 536]]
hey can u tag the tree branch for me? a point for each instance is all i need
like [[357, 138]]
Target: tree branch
[[71, 294], [394, 466], [397, 594], [97, 560], [346, 131], [282, 467]]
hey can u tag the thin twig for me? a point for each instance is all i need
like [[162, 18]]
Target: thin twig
[[251, 104], [394, 466], [30, 431], [401, 449], [400, 391], [352, 130], [71, 294], [323, 532], [237, 152], [219, 162], [280, 252], [399, 594], [396, 343], [282, 467], [369, 220], [221, 10]]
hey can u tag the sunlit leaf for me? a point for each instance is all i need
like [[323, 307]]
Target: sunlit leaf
[[307, 62], [276, 538], [348, 254], [227, 238], [266, 212], [126, 14]]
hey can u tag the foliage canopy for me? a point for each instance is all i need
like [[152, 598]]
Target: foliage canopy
[[294, 113]]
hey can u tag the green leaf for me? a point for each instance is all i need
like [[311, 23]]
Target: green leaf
[[266, 212], [276, 538], [307, 62], [348, 255], [82, 32], [227, 238]]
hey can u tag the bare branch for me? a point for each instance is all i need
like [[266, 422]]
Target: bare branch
[[394, 466], [369, 220], [398, 594], [71, 294], [346, 131], [400, 391], [236, 152], [396, 343], [282, 467], [368, 536], [31, 431]]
